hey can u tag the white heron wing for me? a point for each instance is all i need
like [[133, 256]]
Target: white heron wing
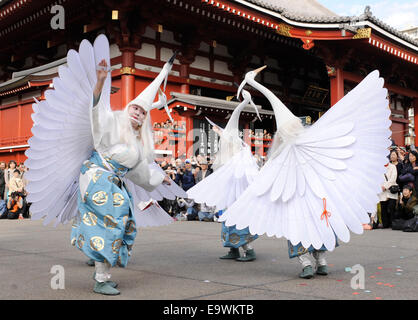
[[154, 216], [227, 183], [101, 51], [62, 137], [337, 164]]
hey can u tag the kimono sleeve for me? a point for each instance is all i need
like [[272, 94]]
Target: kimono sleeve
[[144, 176]]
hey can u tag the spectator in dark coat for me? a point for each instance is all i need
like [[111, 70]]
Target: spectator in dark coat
[[185, 177], [411, 167], [408, 204], [2, 181]]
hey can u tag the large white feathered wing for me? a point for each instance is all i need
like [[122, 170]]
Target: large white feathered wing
[[224, 186], [324, 183], [62, 137]]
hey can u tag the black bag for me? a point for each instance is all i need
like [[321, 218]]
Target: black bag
[[393, 189], [398, 224], [411, 225]]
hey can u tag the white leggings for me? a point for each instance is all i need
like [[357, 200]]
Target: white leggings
[[102, 271], [319, 256]]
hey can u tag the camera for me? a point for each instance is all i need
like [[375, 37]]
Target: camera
[[16, 194]]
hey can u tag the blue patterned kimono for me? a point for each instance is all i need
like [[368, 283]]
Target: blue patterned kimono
[[105, 227], [233, 238], [298, 250]]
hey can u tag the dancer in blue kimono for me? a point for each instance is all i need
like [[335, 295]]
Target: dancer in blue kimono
[[235, 167], [101, 193]]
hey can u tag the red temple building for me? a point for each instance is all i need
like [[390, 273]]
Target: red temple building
[[313, 56]]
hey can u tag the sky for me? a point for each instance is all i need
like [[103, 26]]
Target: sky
[[399, 14]]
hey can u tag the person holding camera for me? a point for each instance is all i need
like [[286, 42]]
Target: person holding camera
[[14, 206], [388, 196], [408, 203], [170, 171], [190, 208]]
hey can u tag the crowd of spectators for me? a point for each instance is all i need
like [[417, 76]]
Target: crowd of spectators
[[260, 134], [398, 207], [186, 174], [181, 126], [13, 193]]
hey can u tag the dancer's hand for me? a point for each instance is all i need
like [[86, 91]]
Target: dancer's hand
[[101, 73], [167, 180]]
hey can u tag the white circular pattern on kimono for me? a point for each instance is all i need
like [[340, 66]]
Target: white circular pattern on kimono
[[109, 222], [99, 198], [118, 199], [116, 246], [97, 176], [130, 227], [97, 243], [234, 238], [114, 179], [80, 241], [89, 219], [302, 250]]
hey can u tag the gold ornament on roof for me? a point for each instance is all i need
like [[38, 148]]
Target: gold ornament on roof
[[363, 33], [284, 30]]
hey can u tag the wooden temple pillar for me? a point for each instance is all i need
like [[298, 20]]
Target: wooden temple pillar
[[187, 116], [336, 84], [128, 38], [415, 106], [128, 76], [184, 73], [190, 44]]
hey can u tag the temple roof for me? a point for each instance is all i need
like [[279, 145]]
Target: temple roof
[[295, 7], [311, 11]]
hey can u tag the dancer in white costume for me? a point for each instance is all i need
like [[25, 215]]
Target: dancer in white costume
[[300, 193], [76, 123], [235, 168]]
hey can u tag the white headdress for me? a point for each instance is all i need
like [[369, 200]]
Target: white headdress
[[145, 100]]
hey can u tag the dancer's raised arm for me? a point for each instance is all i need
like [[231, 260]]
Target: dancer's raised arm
[[101, 77]]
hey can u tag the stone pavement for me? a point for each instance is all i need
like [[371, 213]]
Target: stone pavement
[[180, 261]]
